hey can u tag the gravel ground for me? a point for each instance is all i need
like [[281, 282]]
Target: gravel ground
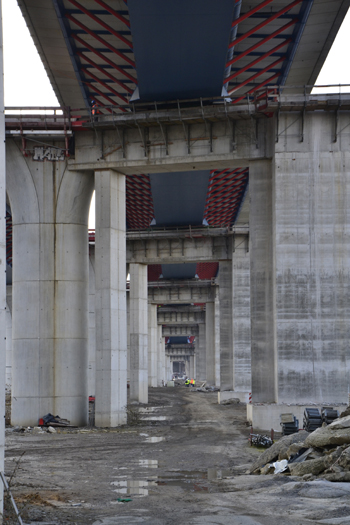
[[185, 461]]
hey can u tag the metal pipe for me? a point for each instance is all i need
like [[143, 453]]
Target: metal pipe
[[113, 12], [250, 79], [266, 22], [261, 42], [252, 64], [104, 42], [256, 88], [99, 68], [251, 12], [106, 59], [101, 23]]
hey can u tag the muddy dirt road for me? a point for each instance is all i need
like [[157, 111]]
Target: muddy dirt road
[[185, 463]]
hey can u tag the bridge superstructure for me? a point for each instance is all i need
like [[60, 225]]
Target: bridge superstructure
[[171, 170]]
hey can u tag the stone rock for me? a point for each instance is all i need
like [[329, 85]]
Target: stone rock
[[272, 453], [342, 422], [337, 477], [267, 469], [292, 450], [344, 460], [346, 412], [323, 489], [233, 401], [313, 466], [309, 477], [323, 437]]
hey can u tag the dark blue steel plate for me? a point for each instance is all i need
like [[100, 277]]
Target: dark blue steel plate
[[180, 47]]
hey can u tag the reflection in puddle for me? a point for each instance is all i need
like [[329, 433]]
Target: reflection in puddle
[[147, 410], [218, 473], [154, 439], [133, 488], [148, 463], [187, 480], [155, 418]]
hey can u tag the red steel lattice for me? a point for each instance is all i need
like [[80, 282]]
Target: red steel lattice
[[225, 193], [139, 202]]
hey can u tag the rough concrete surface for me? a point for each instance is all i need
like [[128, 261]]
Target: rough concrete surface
[[189, 465]]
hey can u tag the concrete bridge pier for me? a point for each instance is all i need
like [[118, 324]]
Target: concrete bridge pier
[[201, 354], [138, 333], [226, 321], [111, 322], [152, 344], [241, 315], [160, 357], [50, 289], [212, 335], [300, 265]]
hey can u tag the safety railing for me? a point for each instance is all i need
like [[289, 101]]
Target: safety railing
[[24, 118]]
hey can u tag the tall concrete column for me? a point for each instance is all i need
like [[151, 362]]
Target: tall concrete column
[[192, 365], [111, 325], [128, 366], [3, 262], [50, 209], [161, 354], [241, 315], [217, 340], [210, 342], [201, 354], [263, 329], [300, 264], [138, 333], [187, 366], [169, 369], [226, 321], [152, 345], [92, 326]]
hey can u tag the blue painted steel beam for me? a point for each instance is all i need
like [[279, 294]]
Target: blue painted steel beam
[[60, 10]]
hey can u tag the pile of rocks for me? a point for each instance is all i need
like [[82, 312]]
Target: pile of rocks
[[323, 453]]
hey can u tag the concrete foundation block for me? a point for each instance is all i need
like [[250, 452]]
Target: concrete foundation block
[[226, 395], [265, 417]]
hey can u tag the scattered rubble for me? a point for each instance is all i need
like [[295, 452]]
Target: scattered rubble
[[325, 452]]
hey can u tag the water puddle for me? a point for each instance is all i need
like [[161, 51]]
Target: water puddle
[[187, 480], [154, 439], [148, 410], [133, 487], [156, 418]]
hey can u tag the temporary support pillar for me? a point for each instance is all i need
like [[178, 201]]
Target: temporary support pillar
[[201, 354], [138, 333], [152, 345], [226, 321], [111, 325]]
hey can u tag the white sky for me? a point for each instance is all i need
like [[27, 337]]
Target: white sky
[[26, 82]]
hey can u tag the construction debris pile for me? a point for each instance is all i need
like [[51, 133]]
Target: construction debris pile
[[323, 453]]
